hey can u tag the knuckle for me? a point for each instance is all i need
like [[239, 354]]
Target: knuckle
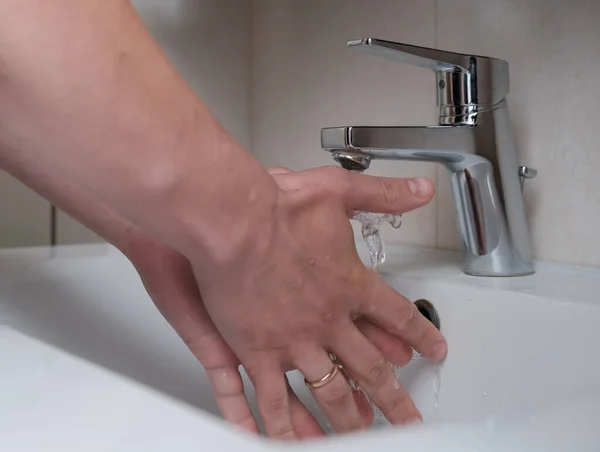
[[400, 409], [396, 352], [404, 358], [409, 317], [226, 382], [274, 405], [390, 194], [338, 395], [329, 314], [375, 372]]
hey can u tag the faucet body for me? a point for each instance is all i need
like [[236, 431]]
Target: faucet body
[[473, 141]]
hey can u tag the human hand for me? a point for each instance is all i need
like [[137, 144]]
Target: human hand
[[292, 295], [169, 280]]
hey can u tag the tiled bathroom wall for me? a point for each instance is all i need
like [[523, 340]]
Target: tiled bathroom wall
[[276, 71], [304, 78]]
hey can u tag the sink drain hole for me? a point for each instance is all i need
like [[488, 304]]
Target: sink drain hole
[[428, 311]]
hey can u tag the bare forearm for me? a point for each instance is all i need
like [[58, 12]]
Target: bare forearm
[[87, 96]]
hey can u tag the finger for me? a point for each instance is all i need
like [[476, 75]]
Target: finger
[[393, 349], [274, 170], [362, 402], [305, 425], [386, 195], [390, 310], [364, 407], [368, 367], [176, 295], [274, 403], [367, 193], [336, 398], [228, 389], [221, 367]]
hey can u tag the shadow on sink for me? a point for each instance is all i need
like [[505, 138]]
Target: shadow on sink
[[110, 322]]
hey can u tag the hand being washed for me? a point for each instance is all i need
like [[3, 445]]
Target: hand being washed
[[168, 278], [293, 295]]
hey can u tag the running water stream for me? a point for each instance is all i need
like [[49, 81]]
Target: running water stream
[[371, 226]]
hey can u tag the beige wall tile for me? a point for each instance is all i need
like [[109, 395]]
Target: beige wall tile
[[553, 48], [305, 78], [71, 232], [209, 42], [24, 216]]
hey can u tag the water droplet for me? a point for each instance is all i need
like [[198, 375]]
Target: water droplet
[[486, 392], [396, 221]]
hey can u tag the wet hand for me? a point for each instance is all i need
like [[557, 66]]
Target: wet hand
[[292, 294], [167, 276]]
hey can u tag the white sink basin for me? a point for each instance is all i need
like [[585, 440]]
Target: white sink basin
[[87, 363]]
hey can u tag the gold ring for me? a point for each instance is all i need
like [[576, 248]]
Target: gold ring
[[323, 381]]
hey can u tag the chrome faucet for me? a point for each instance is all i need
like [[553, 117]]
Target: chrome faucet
[[473, 140]]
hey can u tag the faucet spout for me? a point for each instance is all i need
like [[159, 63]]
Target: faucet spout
[[441, 144], [491, 221]]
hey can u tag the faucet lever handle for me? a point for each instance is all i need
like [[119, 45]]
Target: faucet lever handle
[[436, 60], [462, 79]]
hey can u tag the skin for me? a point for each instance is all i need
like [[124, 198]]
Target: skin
[[101, 124]]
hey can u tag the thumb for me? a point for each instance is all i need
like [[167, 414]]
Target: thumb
[[387, 195]]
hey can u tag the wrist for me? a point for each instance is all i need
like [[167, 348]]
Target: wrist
[[222, 205]]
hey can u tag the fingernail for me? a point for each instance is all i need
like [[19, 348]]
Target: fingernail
[[440, 351], [420, 187], [416, 420]]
